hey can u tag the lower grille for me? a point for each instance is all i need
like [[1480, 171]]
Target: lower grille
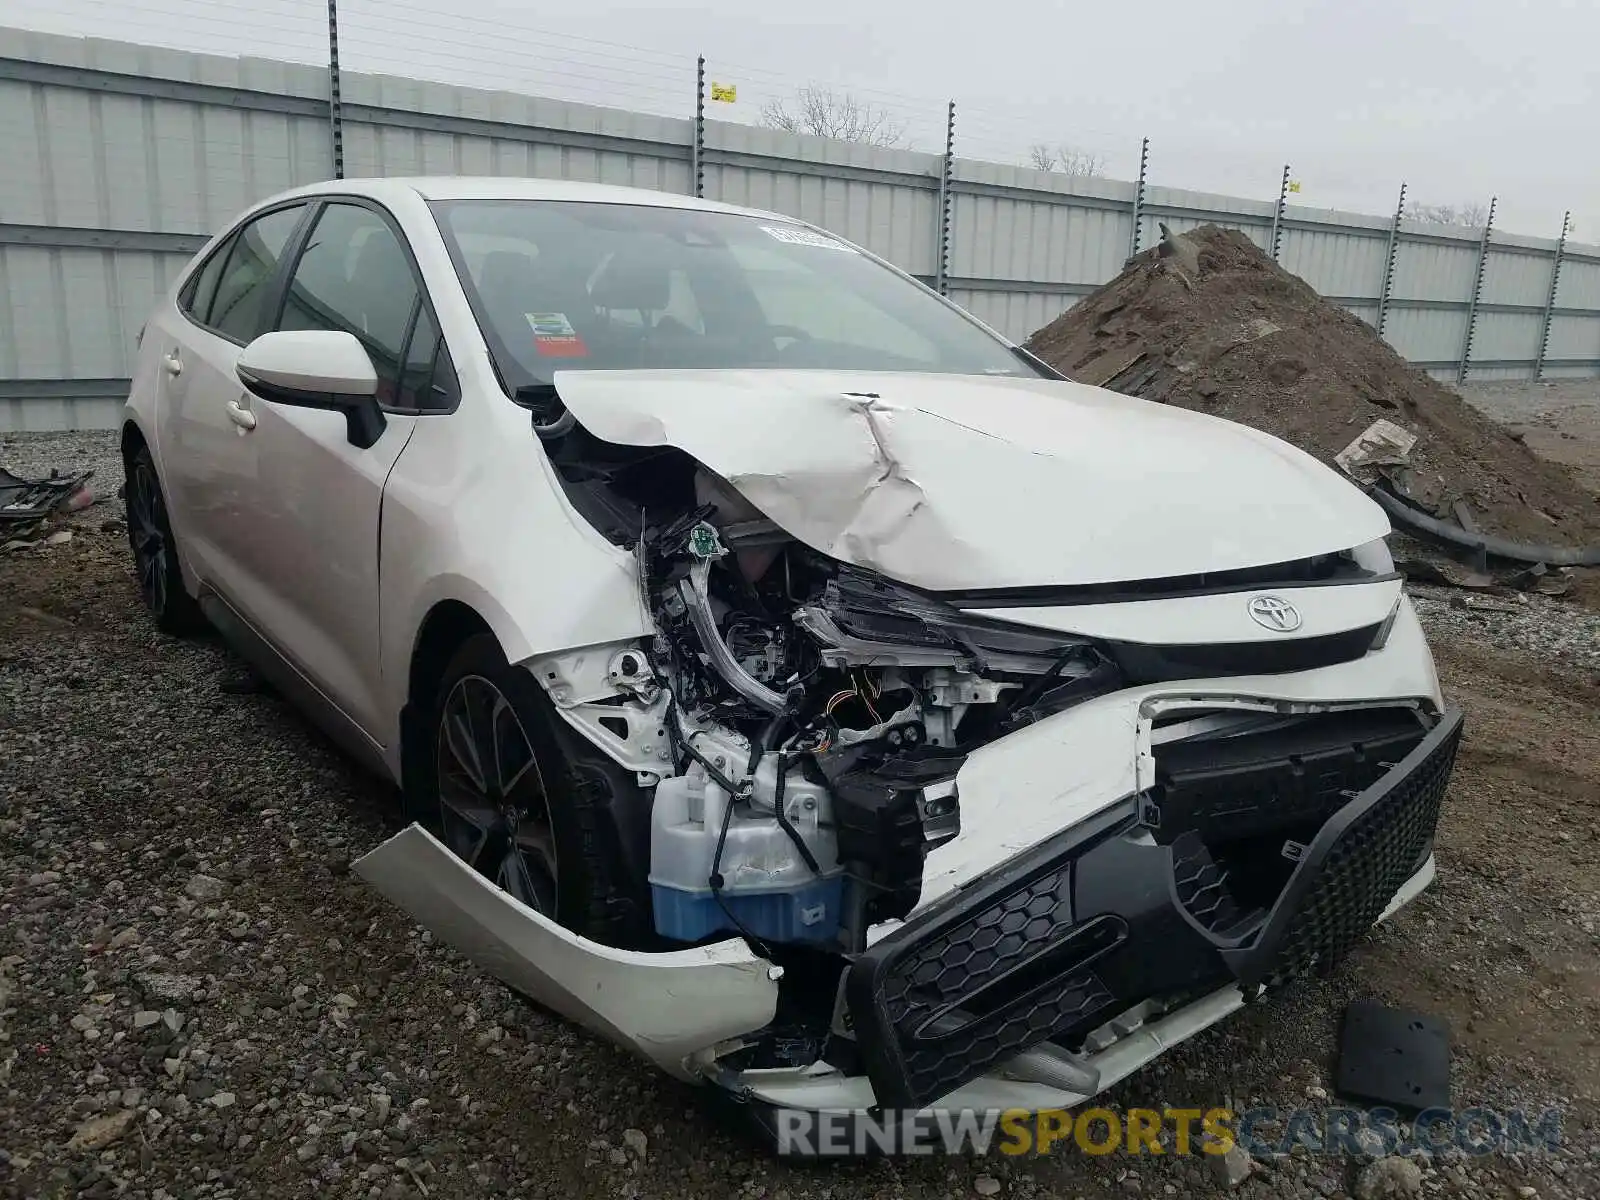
[[1354, 866], [1103, 916], [1000, 970], [1201, 887]]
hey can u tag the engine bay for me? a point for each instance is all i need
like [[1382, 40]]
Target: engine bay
[[815, 714]]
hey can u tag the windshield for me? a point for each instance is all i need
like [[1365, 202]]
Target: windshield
[[558, 285]]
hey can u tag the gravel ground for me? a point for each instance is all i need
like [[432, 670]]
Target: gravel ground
[[1558, 419], [196, 989], [1516, 624]]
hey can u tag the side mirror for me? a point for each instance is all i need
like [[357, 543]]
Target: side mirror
[[316, 368]]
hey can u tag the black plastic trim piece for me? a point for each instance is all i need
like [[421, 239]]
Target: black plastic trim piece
[[999, 966], [1453, 535], [1303, 769], [1141, 663], [1211, 583], [1284, 947], [898, 1065], [364, 421]]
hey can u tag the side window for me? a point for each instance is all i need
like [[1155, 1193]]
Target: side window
[[354, 276], [427, 384], [202, 285], [238, 310]]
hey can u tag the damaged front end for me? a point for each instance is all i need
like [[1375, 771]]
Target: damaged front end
[[904, 853], [823, 716]]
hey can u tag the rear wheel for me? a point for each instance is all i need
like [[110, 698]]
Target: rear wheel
[[155, 552], [516, 795]]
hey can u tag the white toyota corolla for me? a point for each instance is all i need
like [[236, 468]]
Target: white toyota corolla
[[786, 676]]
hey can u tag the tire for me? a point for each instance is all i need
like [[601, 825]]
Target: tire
[[577, 822], [155, 550]]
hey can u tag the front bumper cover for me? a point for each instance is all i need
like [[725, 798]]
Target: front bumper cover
[[1103, 916]]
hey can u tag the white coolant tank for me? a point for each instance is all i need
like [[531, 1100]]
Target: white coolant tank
[[768, 888], [684, 824]]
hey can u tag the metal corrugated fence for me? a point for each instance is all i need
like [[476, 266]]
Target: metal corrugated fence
[[119, 160]]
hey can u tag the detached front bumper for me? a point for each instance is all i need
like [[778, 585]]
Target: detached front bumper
[[1140, 1042], [1102, 920]]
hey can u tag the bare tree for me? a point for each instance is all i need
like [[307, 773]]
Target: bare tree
[[1067, 160], [834, 115], [1472, 215]]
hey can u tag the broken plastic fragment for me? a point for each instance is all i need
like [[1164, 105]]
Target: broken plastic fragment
[[1381, 444]]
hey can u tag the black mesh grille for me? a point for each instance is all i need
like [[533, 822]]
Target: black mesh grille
[[941, 971], [1352, 870], [940, 1061], [1004, 974], [1202, 887]]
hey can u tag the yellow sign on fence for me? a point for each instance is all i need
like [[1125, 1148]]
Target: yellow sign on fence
[[725, 92]]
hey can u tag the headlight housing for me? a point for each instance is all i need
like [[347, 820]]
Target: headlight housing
[[1373, 557]]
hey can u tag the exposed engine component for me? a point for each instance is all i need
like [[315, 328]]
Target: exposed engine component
[[816, 714], [892, 807], [823, 714], [697, 602]]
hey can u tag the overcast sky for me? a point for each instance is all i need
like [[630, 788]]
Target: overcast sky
[[1462, 99]]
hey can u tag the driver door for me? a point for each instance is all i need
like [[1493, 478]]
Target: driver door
[[320, 497]]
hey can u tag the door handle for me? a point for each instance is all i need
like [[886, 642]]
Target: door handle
[[172, 363], [241, 416]]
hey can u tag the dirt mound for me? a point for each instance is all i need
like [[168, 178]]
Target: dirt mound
[[1208, 322]]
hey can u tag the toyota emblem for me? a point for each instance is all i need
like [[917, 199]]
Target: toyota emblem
[[1278, 615]]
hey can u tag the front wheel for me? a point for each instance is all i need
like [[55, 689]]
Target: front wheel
[[513, 793], [155, 552]]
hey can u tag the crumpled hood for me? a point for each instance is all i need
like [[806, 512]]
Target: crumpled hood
[[959, 482]]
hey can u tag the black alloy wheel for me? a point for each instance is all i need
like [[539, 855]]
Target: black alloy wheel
[[494, 809], [155, 555]]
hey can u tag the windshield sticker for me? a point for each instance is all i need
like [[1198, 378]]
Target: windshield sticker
[[796, 236], [554, 336]]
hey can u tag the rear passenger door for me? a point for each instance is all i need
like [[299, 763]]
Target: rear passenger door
[[209, 466], [317, 499]]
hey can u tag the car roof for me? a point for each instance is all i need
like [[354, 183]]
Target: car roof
[[489, 187]]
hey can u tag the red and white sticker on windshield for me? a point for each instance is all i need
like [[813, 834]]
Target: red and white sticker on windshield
[[554, 336], [796, 236]]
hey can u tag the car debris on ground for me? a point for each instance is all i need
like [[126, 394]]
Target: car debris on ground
[[1206, 321], [29, 507]]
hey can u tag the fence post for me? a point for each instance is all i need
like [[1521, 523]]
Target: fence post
[[942, 265], [1388, 264], [697, 152], [1277, 213], [1138, 196], [1550, 300], [335, 111], [1477, 292]]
